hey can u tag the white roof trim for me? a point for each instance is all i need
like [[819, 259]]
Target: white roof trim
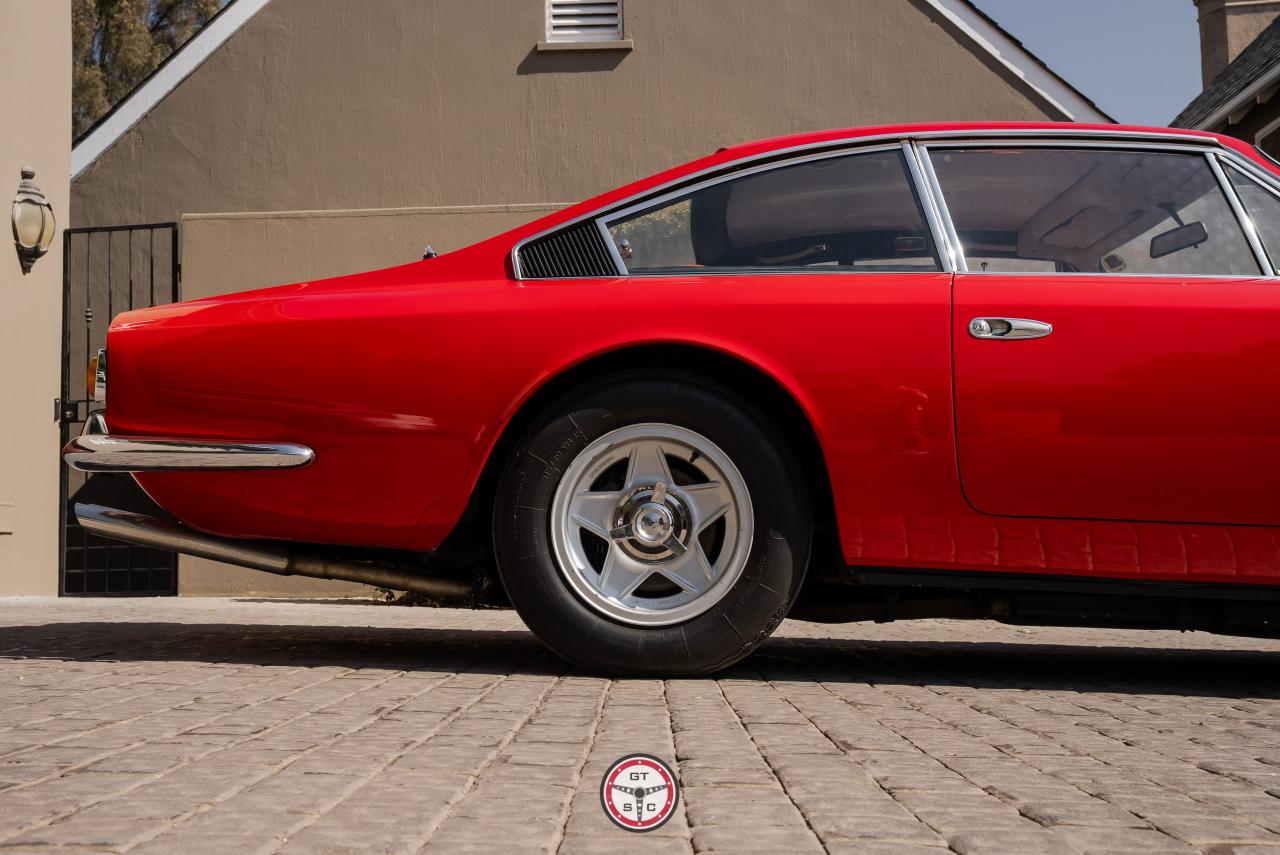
[[141, 101], [1014, 57], [1243, 100]]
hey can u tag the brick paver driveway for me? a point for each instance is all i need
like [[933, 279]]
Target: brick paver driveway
[[189, 726]]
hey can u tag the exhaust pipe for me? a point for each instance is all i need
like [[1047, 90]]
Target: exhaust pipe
[[175, 537]]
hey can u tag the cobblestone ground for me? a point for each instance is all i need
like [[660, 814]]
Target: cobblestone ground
[[191, 726]]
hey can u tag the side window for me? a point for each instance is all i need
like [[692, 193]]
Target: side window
[[1092, 211], [849, 213], [1263, 208]]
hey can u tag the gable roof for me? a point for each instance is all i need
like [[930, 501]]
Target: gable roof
[[1015, 56], [150, 92], [1249, 75], [962, 14]]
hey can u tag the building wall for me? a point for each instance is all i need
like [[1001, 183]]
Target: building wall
[[222, 253], [226, 252], [405, 103], [1227, 27], [35, 50], [1261, 119]]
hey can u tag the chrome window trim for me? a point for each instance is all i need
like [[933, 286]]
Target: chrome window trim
[[1268, 182], [928, 200], [1242, 216], [959, 263], [1051, 142], [1011, 136], [619, 265], [1263, 154]]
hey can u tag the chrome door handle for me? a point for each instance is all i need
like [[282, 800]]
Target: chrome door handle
[[1008, 328]]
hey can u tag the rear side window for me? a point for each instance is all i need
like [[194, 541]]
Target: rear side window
[[1262, 207], [848, 213], [1091, 211]]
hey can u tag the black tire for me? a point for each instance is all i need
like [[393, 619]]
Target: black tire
[[729, 630]]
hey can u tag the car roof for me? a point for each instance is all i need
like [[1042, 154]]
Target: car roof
[[812, 138], [764, 148]]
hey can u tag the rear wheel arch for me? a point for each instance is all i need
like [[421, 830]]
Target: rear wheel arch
[[767, 395]]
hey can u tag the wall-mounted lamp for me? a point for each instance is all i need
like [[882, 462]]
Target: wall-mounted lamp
[[33, 222]]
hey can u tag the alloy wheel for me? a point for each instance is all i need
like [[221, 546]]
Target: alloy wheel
[[651, 524]]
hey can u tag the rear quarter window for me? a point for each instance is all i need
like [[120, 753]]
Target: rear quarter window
[[854, 212]]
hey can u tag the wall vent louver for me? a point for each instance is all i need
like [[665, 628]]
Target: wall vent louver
[[584, 20]]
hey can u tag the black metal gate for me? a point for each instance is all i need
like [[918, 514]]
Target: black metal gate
[[107, 271]]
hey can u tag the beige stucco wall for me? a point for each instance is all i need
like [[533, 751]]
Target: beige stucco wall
[[233, 252], [222, 253], [35, 100], [401, 103]]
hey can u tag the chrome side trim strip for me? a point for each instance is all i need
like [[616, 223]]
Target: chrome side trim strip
[[102, 452], [270, 558], [1246, 221], [841, 143]]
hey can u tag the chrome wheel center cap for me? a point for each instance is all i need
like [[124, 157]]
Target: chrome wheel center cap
[[652, 524]]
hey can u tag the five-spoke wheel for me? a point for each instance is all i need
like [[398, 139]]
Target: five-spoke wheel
[[652, 525]]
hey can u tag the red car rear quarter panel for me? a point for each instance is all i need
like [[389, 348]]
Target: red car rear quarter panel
[[402, 389]]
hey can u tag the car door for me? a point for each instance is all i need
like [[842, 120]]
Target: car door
[[1116, 336]]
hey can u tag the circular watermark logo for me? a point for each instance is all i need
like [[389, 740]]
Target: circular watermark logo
[[639, 792]]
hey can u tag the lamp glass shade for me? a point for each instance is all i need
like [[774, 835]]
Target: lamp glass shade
[[50, 226], [28, 224]]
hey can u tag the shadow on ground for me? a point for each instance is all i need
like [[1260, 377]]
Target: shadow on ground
[[1032, 666]]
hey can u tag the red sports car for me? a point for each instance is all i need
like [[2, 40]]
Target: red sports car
[[1026, 372]]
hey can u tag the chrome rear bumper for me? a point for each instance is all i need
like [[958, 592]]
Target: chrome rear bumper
[[97, 451]]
